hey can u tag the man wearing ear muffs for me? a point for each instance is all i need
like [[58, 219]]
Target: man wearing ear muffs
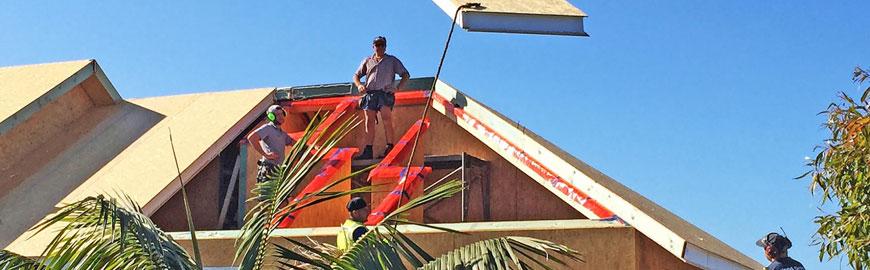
[[776, 251], [270, 140]]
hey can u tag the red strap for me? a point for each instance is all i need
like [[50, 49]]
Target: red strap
[[324, 178], [398, 196]]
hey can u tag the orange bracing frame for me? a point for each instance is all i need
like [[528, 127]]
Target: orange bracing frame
[[326, 176]]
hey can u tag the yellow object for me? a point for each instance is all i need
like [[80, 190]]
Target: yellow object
[[344, 238]]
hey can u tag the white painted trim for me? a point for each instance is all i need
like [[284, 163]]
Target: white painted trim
[[478, 21], [522, 23], [706, 260]]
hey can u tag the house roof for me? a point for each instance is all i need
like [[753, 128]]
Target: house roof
[[125, 148], [25, 89]]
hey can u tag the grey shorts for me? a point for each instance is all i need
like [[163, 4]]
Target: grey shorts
[[264, 168], [376, 99]]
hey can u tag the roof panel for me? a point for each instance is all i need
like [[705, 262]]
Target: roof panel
[[202, 125], [25, 89], [549, 17]]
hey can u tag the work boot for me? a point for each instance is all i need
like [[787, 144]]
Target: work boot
[[366, 153], [387, 151]]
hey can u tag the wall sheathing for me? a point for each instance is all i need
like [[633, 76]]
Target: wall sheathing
[[512, 194], [603, 245]]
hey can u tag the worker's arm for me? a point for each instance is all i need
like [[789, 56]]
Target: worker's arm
[[402, 71], [360, 72], [254, 140], [404, 81]]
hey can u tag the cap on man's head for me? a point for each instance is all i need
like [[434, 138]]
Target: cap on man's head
[[275, 109], [379, 40], [356, 203], [774, 239]]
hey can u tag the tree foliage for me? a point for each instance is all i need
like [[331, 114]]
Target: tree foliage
[[841, 173]]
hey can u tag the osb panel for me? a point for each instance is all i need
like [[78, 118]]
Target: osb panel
[[90, 143], [21, 85], [97, 92], [513, 195], [444, 137], [329, 213], [146, 167], [202, 194], [539, 7], [29, 145], [653, 256], [602, 248]]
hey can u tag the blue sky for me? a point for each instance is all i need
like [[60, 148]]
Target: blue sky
[[706, 107]]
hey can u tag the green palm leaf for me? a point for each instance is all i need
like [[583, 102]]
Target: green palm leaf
[[11, 260], [503, 253], [103, 233], [383, 247]]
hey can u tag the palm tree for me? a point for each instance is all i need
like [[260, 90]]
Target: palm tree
[[103, 232]]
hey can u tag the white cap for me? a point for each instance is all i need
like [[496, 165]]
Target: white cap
[[275, 109]]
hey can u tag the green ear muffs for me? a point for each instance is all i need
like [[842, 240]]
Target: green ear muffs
[[270, 116]]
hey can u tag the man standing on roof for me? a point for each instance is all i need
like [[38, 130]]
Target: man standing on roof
[[270, 140], [353, 228], [776, 251], [379, 71]]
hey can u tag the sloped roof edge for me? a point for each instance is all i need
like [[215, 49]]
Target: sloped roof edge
[[679, 237], [74, 79], [145, 168]]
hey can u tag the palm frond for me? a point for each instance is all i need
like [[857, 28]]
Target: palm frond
[[281, 184], [504, 253], [105, 233], [383, 247], [11, 260]]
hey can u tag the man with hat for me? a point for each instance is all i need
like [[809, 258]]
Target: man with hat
[[270, 140], [380, 70], [353, 228], [776, 251]]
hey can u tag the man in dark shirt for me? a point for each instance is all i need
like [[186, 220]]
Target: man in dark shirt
[[380, 70], [776, 251]]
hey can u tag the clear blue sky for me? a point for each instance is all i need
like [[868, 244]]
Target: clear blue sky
[[707, 108]]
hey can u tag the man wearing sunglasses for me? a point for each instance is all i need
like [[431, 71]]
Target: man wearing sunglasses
[[378, 90]]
